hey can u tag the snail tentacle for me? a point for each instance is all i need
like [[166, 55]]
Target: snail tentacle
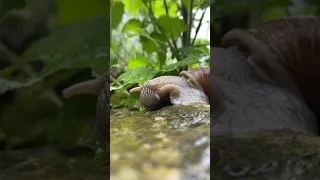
[[99, 87], [87, 87], [136, 89], [265, 63]]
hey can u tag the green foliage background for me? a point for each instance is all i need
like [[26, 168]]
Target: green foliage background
[[142, 33], [33, 113]]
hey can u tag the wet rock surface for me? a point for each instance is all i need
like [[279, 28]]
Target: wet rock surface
[[48, 163], [272, 155], [171, 143]]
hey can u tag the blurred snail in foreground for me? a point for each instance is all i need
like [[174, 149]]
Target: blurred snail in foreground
[[285, 52], [189, 87], [268, 78], [99, 87]]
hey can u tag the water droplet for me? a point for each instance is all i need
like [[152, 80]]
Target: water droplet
[[184, 115], [268, 166], [236, 171]]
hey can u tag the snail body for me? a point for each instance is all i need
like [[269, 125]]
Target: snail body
[[268, 78], [244, 103], [287, 51], [190, 87], [100, 88]]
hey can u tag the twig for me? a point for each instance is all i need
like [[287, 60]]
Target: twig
[[198, 28]]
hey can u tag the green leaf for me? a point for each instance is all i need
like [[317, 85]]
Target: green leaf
[[160, 8], [117, 13], [6, 6], [134, 6], [171, 25], [188, 61], [309, 10], [120, 98], [84, 44], [7, 85], [230, 7], [148, 45], [113, 58], [161, 39], [133, 25], [139, 62], [71, 11], [274, 13], [138, 75]]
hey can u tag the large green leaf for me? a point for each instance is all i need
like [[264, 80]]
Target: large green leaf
[[159, 8], [85, 44], [133, 25], [274, 13], [6, 85], [113, 58], [117, 13], [193, 57], [139, 62], [148, 44], [171, 25], [134, 6], [71, 11], [6, 6], [138, 75], [232, 7]]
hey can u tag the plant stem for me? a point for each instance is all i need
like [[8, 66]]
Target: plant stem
[[167, 12], [198, 28], [185, 19], [153, 21], [190, 23]]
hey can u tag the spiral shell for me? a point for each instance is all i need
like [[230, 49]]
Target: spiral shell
[[190, 87]]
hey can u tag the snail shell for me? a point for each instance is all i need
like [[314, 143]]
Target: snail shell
[[191, 86], [287, 51]]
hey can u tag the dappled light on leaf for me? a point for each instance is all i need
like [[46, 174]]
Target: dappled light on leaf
[[138, 75]]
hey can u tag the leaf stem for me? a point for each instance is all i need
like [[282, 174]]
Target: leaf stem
[[190, 23], [199, 25], [167, 12]]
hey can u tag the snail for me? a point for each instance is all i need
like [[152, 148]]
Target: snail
[[99, 87], [287, 51], [189, 87], [267, 78]]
